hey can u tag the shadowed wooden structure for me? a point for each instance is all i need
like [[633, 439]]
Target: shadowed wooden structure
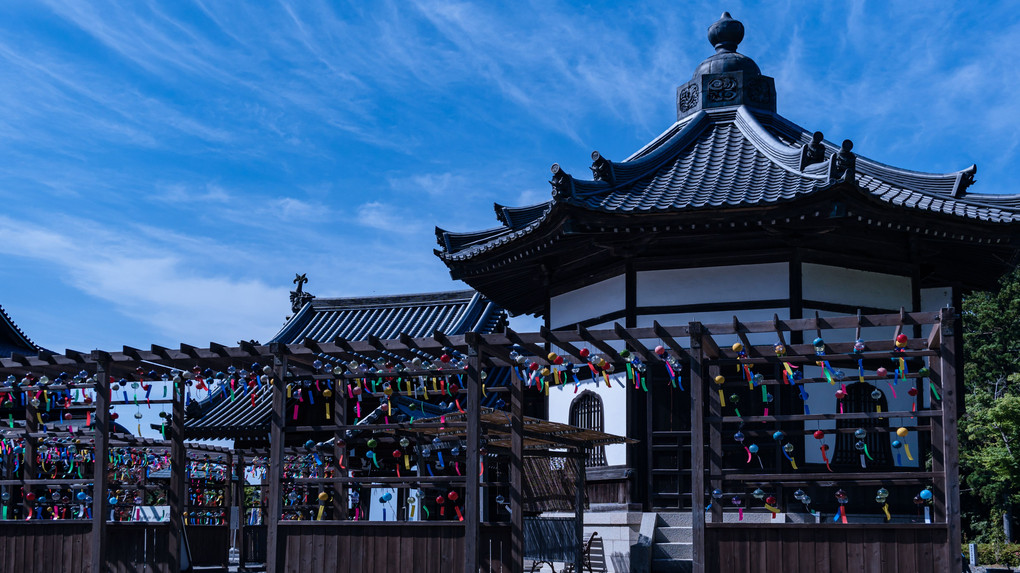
[[484, 538]]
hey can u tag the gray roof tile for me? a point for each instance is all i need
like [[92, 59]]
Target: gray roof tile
[[325, 320], [728, 158]]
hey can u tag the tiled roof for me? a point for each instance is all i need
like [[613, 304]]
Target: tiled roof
[[12, 339], [455, 312], [732, 157], [327, 319]]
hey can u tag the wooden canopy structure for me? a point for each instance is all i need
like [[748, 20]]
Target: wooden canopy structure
[[446, 545]]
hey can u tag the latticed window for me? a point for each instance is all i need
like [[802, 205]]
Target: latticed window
[[859, 399], [586, 412]]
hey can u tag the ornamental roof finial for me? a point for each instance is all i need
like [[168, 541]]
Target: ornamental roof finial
[[726, 33]]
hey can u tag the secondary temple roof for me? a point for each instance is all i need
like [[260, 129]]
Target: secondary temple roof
[[728, 152], [12, 339], [353, 319]]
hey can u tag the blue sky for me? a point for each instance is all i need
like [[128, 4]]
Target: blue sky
[[166, 167]]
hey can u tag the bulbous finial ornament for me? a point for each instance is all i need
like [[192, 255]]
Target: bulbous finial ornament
[[726, 33]]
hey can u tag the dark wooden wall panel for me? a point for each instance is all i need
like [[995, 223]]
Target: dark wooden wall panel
[[209, 545], [825, 548], [137, 548], [47, 546], [380, 548]]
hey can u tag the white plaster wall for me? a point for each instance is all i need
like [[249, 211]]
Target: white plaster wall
[[586, 302], [856, 288], [713, 284], [936, 298], [614, 401]]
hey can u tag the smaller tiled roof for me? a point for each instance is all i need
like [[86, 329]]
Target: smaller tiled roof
[[327, 319], [452, 313], [728, 158], [12, 339]]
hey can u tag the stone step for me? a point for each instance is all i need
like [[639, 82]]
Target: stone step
[[673, 535], [672, 566], [675, 519], [673, 551]]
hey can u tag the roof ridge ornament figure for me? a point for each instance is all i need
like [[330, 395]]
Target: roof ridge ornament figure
[[813, 152], [562, 182], [843, 164], [299, 297], [601, 168]]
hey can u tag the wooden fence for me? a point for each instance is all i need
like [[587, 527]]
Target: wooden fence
[[827, 548]]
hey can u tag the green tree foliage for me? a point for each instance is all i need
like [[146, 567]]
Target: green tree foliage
[[990, 431]]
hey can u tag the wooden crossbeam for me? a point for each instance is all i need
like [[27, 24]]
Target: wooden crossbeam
[[606, 349], [669, 341], [553, 338], [537, 351], [635, 345]]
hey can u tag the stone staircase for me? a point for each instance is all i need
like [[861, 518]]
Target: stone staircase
[[672, 546]]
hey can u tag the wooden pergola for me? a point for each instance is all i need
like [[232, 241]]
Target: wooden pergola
[[455, 546]]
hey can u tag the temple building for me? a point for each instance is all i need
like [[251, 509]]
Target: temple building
[[733, 209]]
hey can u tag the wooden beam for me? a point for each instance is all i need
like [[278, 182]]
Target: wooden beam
[[537, 351], [573, 351], [935, 336], [779, 331], [635, 345], [605, 348], [669, 341], [176, 495], [219, 350]]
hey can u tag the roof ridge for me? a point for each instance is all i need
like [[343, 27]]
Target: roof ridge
[[769, 145], [898, 176], [636, 169], [400, 298]]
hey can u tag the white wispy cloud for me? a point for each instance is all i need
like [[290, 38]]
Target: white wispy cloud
[[146, 280], [386, 217]]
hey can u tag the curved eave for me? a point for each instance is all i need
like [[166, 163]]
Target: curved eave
[[780, 143], [500, 239], [10, 330]]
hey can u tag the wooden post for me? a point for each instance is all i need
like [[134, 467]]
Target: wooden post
[[101, 435], [242, 505], [516, 471], [273, 509], [471, 495], [579, 511], [31, 471], [340, 419], [176, 496], [950, 443], [697, 448], [715, 445], [228, 499]]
